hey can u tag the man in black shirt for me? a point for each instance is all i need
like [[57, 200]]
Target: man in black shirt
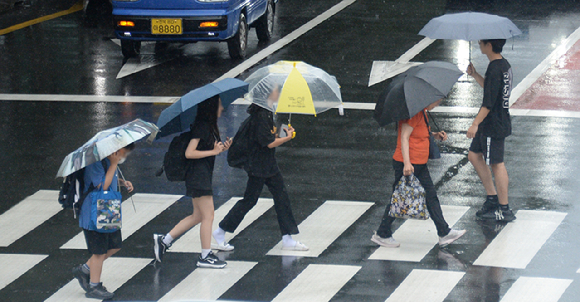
[[489, 130]]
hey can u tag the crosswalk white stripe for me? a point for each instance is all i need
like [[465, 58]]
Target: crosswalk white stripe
[[530, 289], [190, 242], [148, 207], [578, 271], [27, 215], [15, 265], [116, 272], [317, 283], [324, 226], [519, 241], [417, 237], [208, 284], [426, 286]]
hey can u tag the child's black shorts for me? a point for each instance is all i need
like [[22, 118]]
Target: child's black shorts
[[100, 243], [491, 148]]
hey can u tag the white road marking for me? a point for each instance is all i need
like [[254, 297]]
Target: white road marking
[[417, 237], [317, 283], [208, 284], [148, 207], [529, 289], [426, 286], [517, 244], [324, 226], [88, 98], [190, 242], [531, 78], [26, 215], [116, 272], [134, 65], [15, 265]]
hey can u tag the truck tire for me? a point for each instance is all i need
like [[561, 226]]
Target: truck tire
[[130, 48], [239, 42], [265, 25]]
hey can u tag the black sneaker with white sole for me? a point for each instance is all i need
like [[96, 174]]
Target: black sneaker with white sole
[[490, 205], [499, 215], [82, 277], [99, 292], [159, 247], [211, 261]]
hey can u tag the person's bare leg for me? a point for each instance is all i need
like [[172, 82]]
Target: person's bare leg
[[186, 223], [206, 209], [501, 182], [95, 264], [483, 171]]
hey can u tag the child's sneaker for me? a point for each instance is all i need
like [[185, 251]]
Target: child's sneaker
[[84, 278], [211, 261], [159, 247], [99, 292]]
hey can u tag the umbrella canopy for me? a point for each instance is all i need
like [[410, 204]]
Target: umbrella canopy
[[414, 90], [106, 143], [295, 87], [470, 27], [179, 116]]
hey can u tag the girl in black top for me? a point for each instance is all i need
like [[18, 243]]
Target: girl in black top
[[205, 144]]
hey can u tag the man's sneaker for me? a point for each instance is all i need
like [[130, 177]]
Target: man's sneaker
[[299, 246], [159, 247], [84, 279], [224, 247], [486, 208], [500, 215], [99, 292], [451, 237], [211, 261], [386, 242]]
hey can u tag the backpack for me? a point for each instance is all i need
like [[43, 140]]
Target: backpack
[[175, 163], [239, 152], [72, 193]]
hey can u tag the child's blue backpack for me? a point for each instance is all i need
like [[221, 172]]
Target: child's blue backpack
[[72, 193]]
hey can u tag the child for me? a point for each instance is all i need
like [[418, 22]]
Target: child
[[202, 149], [100, 245], [411, 156], [489, 130]]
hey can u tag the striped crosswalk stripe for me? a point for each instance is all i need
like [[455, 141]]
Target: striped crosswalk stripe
[[15, 265], [426, 286], [529, 289]]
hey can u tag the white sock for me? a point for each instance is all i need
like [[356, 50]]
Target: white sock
[[204, 253], [167, 239], [219, 235], [288, 241]]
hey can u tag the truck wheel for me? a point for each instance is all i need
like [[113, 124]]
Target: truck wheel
[[130, 48], [265, 25], [238, 43]]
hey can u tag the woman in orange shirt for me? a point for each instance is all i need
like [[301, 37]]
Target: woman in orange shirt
[[411, 157]]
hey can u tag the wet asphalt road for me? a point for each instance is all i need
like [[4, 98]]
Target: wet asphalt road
[[333, 158]]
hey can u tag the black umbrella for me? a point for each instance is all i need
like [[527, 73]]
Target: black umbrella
[[414, 90]]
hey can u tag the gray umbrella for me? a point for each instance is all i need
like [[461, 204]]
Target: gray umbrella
[[414, 90], [470, 27]]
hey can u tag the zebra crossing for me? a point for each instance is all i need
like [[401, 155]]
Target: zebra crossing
[[513, 248]]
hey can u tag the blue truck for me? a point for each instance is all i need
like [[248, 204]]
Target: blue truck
[[187, 21]]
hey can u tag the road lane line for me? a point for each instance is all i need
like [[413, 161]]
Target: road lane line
[[530, 289], [263, 54], [190, 242], [88, 98], [417, 237], [75, 8], [317, 283], [208, 284], [15, 265], [148, 207], [26, 216], [517, 244], [116, 272], [426, 286], [324, 226]]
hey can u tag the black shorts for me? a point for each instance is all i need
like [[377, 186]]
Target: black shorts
[[491, 148], [195, 193], [101, 243]]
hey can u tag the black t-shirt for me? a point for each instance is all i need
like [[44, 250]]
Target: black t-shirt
[[497, 88], [262, 161], [200, 171]]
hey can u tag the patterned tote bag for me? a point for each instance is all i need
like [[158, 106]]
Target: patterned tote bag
[[106, 211], [408, 200]]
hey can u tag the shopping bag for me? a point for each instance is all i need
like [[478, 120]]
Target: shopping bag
[[106, 211], [408, 199]]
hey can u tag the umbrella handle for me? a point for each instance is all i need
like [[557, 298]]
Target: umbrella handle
[[293, 133]]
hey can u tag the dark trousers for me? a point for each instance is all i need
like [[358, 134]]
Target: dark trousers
[[253, 190], [433, 205]]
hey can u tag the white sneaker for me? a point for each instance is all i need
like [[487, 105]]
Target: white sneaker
[[386, 242], [298, 247], [224, 247], [451, 237]]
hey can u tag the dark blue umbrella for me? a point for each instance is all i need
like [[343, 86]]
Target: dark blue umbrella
[[179, 116]]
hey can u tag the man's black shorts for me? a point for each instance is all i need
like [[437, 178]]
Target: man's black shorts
[[100, 243], [491, 148]]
